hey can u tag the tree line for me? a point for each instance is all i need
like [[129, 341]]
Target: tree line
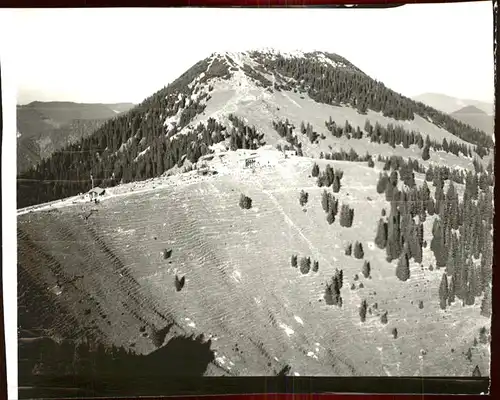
[[348, 85]]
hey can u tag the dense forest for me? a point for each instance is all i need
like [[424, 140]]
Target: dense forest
[[462, 234]]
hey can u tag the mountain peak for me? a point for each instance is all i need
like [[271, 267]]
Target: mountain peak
[[265, 55], [469, 110]]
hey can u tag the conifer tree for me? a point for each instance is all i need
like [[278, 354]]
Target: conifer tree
[[294, 261], [438, 245], [395, 333], [383, 180], [324, 200], [336, 184], [403, 267], [425, 153], [358, 250], [303, 128], [486, 303], [371, 164], [348, 249], [384, 318], [451, 290], [304, 197], [330, 218], [483, 338], [381, 237], [346, 216], [328, 296], [366, 269], [245, 202], [305, 265], [414, 241], [393, 246], [431, 208], [443, 291], [315, 171], [362, 310], [315, 266]]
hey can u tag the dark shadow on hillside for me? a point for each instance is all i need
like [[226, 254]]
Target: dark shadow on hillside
[[50, 369]]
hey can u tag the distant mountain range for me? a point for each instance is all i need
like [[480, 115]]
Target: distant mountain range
[[44, 127], [478, 114], [450, 104], [475, 117]]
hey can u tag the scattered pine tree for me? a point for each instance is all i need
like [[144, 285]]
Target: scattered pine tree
[[315, 266], [179, 283], [294, 261], [304, 197], [332, 290], [483, 337], [346, 216], [381, 238], [366, 269], [328, 296], [245, 202], [362, 310], [395, 333], [305, 265], [348, 249], [403, 268], [167, 253], [358, 250], [383, 318]]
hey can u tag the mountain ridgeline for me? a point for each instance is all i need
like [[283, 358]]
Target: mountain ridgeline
[[158, 134]]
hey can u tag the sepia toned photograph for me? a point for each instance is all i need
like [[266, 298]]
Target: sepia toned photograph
[[236, 193]]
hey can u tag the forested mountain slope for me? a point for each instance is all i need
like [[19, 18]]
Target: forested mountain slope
[[165, 129]]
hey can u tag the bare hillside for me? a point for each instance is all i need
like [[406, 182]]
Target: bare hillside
[[240, 288]]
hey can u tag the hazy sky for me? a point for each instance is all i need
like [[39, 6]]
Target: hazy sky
[[124, 55]]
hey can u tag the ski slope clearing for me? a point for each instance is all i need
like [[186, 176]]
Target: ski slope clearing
[[110, 274]]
